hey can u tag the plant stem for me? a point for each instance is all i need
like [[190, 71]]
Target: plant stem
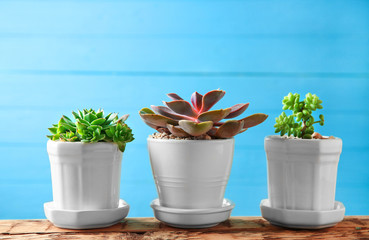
[[303, 128]]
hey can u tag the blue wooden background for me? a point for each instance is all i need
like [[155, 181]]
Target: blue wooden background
[[59, 56]]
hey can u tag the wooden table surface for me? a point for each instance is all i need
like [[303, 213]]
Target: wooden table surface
[[352, 227]]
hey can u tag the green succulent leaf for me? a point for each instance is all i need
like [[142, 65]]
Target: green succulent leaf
[[90, 117], [300, 123], [98, 121], [53, 130], [92, 126]]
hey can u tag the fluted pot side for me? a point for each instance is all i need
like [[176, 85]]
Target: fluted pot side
[[302, 173], [191, 173], [85, 176]]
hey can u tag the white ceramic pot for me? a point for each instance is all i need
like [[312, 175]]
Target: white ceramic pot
[[302, 172], [191, 174], [85, 176]]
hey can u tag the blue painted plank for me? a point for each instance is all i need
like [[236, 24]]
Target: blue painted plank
[[186, 54], [35, 102], [121, 93], [183, 18]]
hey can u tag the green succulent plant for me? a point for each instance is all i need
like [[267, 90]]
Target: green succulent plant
[[92, 126], [300, 123], [182, 119]]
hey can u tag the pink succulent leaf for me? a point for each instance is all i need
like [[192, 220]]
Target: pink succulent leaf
[[254, 120], [211, 98], [237, 110], [151, 125], [229, 129], [174, 96], [212, 132], [196, 100], [158, 120], [177, 131], [217, 124], [214, 116], [181, 107], [163, 130], [243, 130], [195, 129], [169, 113]]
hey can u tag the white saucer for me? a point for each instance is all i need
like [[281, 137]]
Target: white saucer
[[302, 219], [86, 219], [192, 218]]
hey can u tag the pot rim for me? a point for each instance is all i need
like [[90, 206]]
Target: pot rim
[[279, 138], [81, 143], [70, 148], [189, 140]]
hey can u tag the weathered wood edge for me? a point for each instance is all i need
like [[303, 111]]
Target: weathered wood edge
[[359, 224]]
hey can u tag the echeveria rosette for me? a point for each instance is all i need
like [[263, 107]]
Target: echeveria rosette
[[300, 123], [92, 126], [184, 119]]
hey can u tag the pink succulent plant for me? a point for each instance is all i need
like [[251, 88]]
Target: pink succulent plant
[[182, 119]]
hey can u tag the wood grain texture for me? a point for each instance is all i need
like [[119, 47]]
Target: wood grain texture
[[352, 227]]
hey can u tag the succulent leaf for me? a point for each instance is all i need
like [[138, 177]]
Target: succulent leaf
[[100, 113], [300, 123], [68, 127], [111, 118], [214, 116], [163, 130], [254, 120], [212, 131], [243, 130], [98, 121], [211, 98], [177, 131], [91, 126], [237, 110], [195, 129], [196, 100], [174, 96], [123, 118], [146, 111], [181, 107], [90, 117], [229, 129], [53, 130], [197, 120], [151, 125], [158, 120], [169, 113], [76, 115]]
